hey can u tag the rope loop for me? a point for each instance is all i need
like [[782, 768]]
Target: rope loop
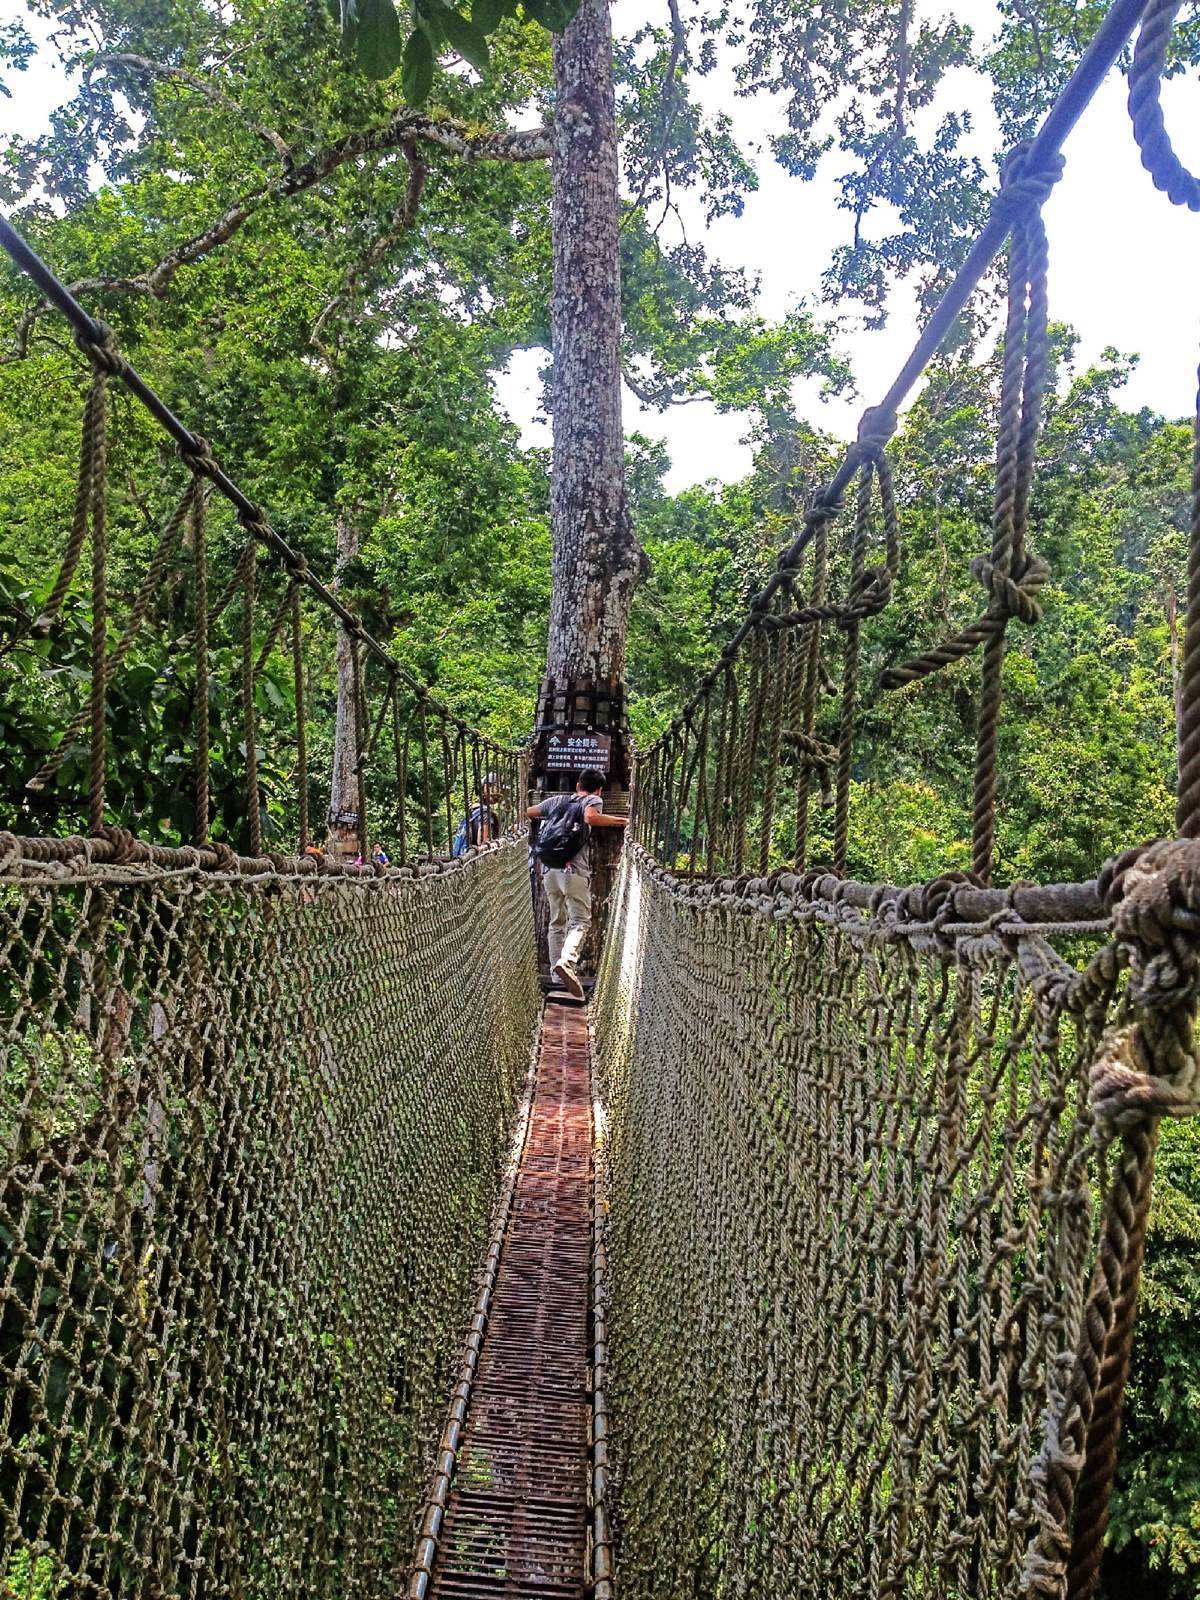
[[125, 847], [226, 856], [1013, 593], [1125, 1085], [103, 352], [876, 427], [255, 523], [1170, 175], [198, 457], [1023, 187], [1150, 1067], [1155, 904]]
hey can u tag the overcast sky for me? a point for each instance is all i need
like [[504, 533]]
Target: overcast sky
[[1123, 259]]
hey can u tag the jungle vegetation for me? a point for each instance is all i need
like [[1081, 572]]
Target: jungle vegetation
[[323, 278]]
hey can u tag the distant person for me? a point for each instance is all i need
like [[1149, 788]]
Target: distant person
[[481, 824], [563, 850]]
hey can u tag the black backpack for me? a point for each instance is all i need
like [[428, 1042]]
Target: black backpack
[[562, 833]]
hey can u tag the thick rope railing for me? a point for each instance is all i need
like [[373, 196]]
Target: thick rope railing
[[257, 1095], [835, 990]]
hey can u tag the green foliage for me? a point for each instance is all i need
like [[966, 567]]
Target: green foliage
[[373, 36], [339, 349], [1155, 1534]]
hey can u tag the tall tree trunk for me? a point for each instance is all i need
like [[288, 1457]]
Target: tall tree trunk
[[597, 561], [343, 784]]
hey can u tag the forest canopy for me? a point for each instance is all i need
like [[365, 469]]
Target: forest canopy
[[321, 247]]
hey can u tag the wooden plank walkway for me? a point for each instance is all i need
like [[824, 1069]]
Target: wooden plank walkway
[[515, 1522]]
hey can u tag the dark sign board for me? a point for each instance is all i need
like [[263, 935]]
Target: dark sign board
[[573, 752]]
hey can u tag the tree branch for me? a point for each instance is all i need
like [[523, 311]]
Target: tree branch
[[659, 401], [193, 80], [678, 46], [379, 247], [902, 67], [404, 131]]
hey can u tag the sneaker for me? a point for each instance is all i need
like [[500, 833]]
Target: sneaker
[[567, 980]]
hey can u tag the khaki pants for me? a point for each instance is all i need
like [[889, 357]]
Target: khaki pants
[[570, 897]]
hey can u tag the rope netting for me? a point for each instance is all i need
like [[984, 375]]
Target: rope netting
[[879, 1159], [250, 1141], [256, 1106]]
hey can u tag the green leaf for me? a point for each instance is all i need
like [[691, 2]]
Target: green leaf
[[467, 38], [429, 15], [380, 47], [552, 14], [487, 14], [416, 72]]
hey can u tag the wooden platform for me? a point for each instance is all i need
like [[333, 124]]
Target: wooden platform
[[515, 1522]]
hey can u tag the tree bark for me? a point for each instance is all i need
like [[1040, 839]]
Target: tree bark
[[597, 560]]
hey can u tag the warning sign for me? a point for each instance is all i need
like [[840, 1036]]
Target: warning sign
[[573, 752]]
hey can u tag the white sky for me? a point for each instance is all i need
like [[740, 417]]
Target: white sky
[[1123, 259]]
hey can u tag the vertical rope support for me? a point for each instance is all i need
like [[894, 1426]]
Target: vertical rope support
[[851, 628], [743, 773], [200, 811], [98, 496], [448, 784], [1022, 385], [461, 757], [780, 696], [301, 719], [400, 733], [425, 777], [1127, 1215], [703, 806], [812, 681], [249, 719], [1187, 806], [715, 791], [360, 745]]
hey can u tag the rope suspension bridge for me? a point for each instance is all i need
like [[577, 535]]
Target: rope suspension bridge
[[805, 1264]]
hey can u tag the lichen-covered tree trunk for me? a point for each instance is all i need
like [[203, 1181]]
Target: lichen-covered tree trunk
[[596, 557], [597, 560]]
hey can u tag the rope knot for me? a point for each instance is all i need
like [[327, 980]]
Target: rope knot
[[124, 846], [1154, 896], [1013, 593], [198, 457], [875, 429], [1024, 187], [255, 522], [870, 594], [1126, 1085], [1150, 1067], [102, 352], [226, 856], [937, 900]]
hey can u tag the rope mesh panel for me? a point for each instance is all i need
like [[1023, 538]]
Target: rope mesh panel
[[249, 1147], [853, 1194]]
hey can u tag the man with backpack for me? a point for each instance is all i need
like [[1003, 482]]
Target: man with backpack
[[481, 824], [562, 849]]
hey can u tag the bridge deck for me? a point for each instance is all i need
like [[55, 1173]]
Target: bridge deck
[[516, 1515]]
